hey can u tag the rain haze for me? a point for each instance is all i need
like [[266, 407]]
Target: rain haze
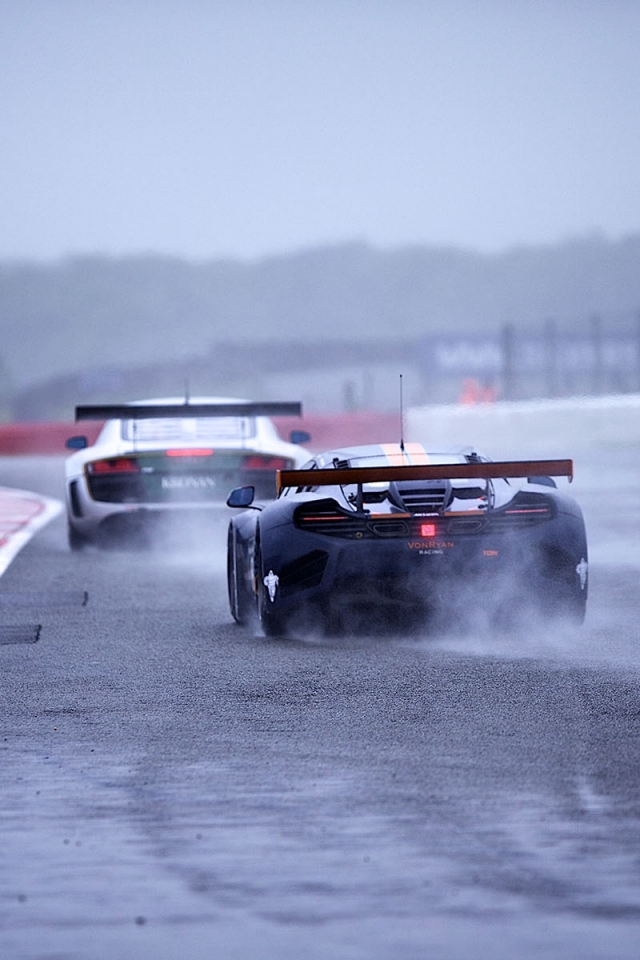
[[242, 129]]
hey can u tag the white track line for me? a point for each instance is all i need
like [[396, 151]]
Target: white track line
[[22, 514]]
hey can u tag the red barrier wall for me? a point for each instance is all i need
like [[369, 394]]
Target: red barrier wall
[[327, 431], [22, 439]]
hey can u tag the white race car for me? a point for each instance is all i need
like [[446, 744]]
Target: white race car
[[154, 458]]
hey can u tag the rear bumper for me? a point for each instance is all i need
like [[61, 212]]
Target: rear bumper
[[93, 518], [313, 569]]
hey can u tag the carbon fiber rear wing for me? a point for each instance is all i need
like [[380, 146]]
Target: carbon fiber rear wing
[[152, 411], [436, 471]]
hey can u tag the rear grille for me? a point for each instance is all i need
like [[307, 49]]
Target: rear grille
[[162, 487], [332, 525], [424, 499], [331, 522], [351, 527], [390, 528], [525, 510], [466, 525], [116, 489], [515, 520]]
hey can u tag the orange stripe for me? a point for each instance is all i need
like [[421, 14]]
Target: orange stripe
[[414, 454], [393, 454], [417, 454]]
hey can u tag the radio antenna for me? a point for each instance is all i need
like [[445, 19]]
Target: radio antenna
[[401, 417]]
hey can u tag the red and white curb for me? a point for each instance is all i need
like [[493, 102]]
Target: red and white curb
[[22, 514]]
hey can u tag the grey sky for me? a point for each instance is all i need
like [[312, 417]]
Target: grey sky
[[251, 127]]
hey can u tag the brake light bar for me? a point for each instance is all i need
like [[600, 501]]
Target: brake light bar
[[437, 471], [190, 452], [323, 518], [115, 465]]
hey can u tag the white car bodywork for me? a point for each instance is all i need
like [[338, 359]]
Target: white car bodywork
[[141, 468]]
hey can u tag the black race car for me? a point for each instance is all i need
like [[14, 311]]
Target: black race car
[[372, 531]]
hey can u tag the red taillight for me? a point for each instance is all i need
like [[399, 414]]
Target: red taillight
[[117, 465], [190, 452], [428, 530], [323, 518], [256, 462]]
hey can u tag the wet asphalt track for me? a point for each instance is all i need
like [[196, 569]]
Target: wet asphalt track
[[173, 786]]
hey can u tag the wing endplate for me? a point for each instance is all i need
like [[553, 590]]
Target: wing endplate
[[440, 471], [154, 411]]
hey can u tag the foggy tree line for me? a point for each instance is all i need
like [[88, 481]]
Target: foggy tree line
[[601, 355], [104, 320]]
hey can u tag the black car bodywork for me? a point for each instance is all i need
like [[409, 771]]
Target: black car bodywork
[[378, 530]]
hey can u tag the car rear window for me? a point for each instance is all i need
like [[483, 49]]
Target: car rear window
[[172, 429]]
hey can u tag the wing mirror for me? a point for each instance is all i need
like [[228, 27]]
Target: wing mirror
[[299, 436], [76, 443], [241, 497]]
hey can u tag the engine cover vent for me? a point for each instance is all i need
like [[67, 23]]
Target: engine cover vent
[[424, 496]]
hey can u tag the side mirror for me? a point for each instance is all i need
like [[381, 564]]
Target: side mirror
[[299, 436], [76, 443], [241, 497]]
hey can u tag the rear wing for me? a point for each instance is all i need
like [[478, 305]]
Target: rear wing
[[437, 471], [152, 411]]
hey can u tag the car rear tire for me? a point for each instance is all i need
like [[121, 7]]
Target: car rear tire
[[76, 540], [561, 593], [569, 600], [240, 603]]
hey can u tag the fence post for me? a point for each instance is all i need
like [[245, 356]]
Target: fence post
[[551, 357], [507, 361], [597, 372]]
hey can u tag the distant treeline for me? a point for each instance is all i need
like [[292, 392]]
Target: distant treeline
[[90, 315], [348, 375]]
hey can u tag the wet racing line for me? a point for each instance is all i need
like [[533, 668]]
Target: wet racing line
[[177, 785], [22, 514]]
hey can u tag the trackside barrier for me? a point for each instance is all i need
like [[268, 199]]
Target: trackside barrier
[[526, 428], [327, 431], [48, 438], [505, 428]]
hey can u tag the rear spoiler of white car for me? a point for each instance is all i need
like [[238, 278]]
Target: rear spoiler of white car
[[437, 471], [152, 411]]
